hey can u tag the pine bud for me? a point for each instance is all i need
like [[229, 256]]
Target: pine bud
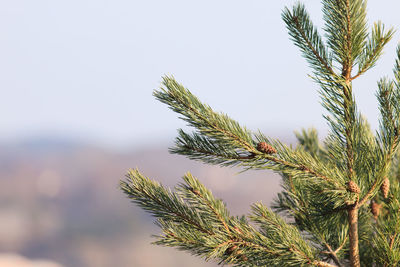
[[385, 188], [353, 187], [265, 148], [375, 209]]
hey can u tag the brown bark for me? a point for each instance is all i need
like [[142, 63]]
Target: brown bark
[[353, 236]]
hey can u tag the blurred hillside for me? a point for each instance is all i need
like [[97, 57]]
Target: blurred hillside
[[60, 201]]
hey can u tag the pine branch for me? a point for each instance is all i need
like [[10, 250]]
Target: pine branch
[[346, 28], [373, 48], [198, 195], [386, 241], [193, 220], [211, 124], [299, 165], [308, 140], [221, 140], [288, 237], [198, 147], [389, 134], [306, 37], [312, 216], [396, 69], [160, 202], [338, 100], [332, 254], [387, 249], [346, 32], [379, 177], [389, 98]]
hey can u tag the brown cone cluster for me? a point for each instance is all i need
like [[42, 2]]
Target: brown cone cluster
[[375, 209], [385, 187], [266, 148], [353, 187]]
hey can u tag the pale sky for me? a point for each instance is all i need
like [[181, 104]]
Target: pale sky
[[86, 69]]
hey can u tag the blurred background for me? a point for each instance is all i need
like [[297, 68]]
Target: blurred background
[[76, 105]]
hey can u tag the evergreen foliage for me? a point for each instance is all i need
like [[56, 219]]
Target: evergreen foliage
[[341, 198]]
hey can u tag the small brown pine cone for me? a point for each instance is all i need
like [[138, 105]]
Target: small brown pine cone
[[353, 187], [375, 209], [385, 188], [265, 148]]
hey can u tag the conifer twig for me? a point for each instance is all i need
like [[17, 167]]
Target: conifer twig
[[192, 219], [310, 46], [332, 253], [303, 168], [306, 37], [373, 49], [379, 179]]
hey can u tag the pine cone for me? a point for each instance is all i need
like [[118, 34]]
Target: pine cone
[[385, 188], [265, 148], [375, 209], [353, 187]]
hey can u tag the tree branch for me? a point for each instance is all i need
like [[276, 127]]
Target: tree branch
[[367, 65], [389, 156], [311, 47], [332, 253], [303, 168]]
